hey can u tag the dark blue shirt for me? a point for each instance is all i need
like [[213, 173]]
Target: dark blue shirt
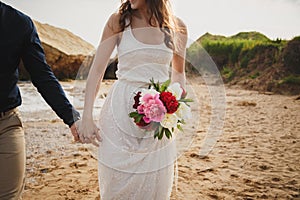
[[19, 41]]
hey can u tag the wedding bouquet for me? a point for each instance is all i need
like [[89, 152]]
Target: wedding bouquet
[[162, 108]]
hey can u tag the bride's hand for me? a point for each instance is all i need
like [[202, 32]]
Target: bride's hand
[[89, 132]]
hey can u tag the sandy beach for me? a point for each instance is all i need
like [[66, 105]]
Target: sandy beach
[[256, 157]]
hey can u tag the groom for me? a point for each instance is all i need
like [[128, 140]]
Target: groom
[[19, 41]]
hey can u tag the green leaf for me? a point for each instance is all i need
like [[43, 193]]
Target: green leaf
[[161, 132], [186, 100], [165, 85], [167, 82], [156, 133], [152, 82], [133, 114], [161, 89], [160, 128], [168, 133], [155, 85], [181, 121], [179, 127], [138, 118]]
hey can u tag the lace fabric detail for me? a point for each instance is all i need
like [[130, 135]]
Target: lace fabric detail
[[132, 164], [133, 54]]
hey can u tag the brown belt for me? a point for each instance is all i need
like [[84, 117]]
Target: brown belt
[[3, 114]]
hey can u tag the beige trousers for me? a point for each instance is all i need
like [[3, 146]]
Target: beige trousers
[[12, 156]]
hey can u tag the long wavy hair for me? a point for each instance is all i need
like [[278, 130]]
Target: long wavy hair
[[160, 12]]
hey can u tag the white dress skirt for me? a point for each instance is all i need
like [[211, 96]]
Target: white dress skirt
[[132, 164]]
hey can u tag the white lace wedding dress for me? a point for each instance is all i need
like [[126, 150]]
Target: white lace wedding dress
[[132, 164]]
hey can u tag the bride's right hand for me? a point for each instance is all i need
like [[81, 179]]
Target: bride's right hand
[[89, 132]]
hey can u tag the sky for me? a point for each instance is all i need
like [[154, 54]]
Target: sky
[[86, 18]]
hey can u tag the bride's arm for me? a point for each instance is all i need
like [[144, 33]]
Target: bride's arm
[[87, 129], [178, 62]]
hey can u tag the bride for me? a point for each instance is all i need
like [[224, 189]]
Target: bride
[[132, 164]]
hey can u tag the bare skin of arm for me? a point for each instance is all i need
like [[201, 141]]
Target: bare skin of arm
[[178, 62], [88, 131]]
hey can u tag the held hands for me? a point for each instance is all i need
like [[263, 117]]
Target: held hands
[[86, 132]]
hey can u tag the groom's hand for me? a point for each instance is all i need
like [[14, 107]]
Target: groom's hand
[[74, 131]]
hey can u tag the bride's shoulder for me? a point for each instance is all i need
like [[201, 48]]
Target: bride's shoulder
[[113, 22], [180, 25]]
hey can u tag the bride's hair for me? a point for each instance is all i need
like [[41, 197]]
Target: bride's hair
[[160, 12]]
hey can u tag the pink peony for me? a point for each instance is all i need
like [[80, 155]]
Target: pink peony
[[152, 108]]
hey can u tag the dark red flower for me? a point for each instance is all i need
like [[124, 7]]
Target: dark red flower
[[169, 101], [137, 100]]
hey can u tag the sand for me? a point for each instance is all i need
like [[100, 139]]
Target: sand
[[256, 157]]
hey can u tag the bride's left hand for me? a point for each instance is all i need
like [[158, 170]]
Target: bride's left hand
[[88, 132]]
